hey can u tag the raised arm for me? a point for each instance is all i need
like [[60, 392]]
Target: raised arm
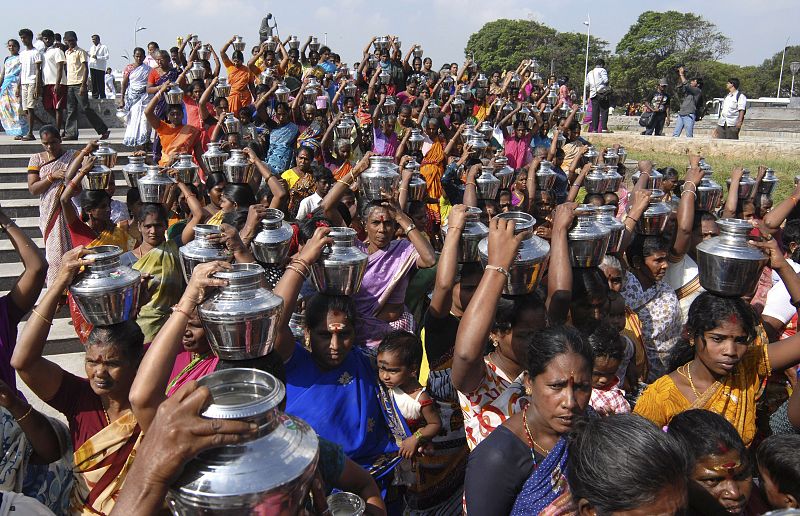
[[342, 186], [454, 140], [473, 331], [639, 203], [72, 187], [530, 183], [303, 58], [29, 284], [150, 110], [559, 270], [732, 201], [470, 186], [578, 182], [205, 98], [215, 71], [276, 186], [289, 286], [41, 375], [777, 215], [224, 52], [683, 232], [152, 377], [446, 271]]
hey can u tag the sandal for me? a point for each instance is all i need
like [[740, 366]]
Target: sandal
[[28, 138], [18, 138]]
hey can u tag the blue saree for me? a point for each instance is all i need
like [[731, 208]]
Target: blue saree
[[345, 405], [546, 491], [281, 147]]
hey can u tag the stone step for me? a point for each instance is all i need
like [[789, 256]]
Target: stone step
[[19, 190], [62, 337], [9, 255], [29, 207], [61, 313], [28, 225], [33, 147]]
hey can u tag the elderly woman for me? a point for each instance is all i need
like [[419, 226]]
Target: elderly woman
[[519, 468], [134, 98], [103, 429], [240, 76], [380, 300]]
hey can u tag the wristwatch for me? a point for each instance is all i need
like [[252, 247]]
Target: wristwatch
[[411, 227]]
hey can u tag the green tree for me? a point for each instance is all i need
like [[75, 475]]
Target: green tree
[[503, 44], [656, 44], [769, 71]]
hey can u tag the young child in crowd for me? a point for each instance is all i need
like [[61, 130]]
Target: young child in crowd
[[779, 468], [399, 360], [609, 350]]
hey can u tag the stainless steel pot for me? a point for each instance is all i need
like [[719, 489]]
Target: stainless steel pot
[[106, 292], [596, 181], [415, 141], [655, 217], [746, 185], [768, 182], [241, 318], [611, 157], [239, 44], [381, 175], [294, 43], [389, 106], [417, 187], [341, 267], [471, 235], [545, 176], [282, 93], [297, 325], [197, 72], [174, 95], [98, 178], [709, 193], [222, 89], [202, 250], [487, 184], [185, 169], [532, 256], [503, 172], [134, 170], [154, 186], [271, 244], [270, 473], [604, 215], [588, 240], [314, 45], [214, 157], [204, 52], [346, 504], [486, 129], [728, 266], [613, 177], [231, 124], [105, 154], [591, 155], [623, 155], [343, 129], [237, 168]]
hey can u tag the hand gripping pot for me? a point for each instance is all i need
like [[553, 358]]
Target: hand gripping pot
[[105, 154], [270, 473], [587, 240], [97, 178], [381, 175], [604, 215], [487, 184], [709, 192], [596, 181], [174, 95], [415, 141], [201, 250], [154, 186], [341, 267], [106, 292], [728, 266], [532, 256], [655, 217], [134, 170], [241, 318], [271, 244], [417, 187], [746, 185], [222, 89], [471, 235]]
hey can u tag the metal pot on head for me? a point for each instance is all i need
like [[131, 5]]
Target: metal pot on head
[[415, 141], [237, 168], [417, 187], [238, 43], [222, 89], [655, 217], [471, 235], [134, 170], [605, 216], [197, 72], [106, 292], [768, 182], [185, 169], [155, 185], [202, 250], [98, 178], [271, 244], [487, 184], [341, 267], [728, 266], [174, 95], [382, 175], [105, 154], [545, 176], [587, 240], [214, 157]]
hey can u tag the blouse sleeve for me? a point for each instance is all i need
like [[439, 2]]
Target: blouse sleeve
[[34, 163], [650, 404], [496, 471]]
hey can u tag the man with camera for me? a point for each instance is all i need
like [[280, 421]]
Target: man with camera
[[691, 106]]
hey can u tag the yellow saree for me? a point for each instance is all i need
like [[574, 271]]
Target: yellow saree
[[101, 465], [166, 287]]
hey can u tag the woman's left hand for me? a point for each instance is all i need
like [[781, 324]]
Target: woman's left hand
[[229, 237], [312, 250], [770, 247], [202, 279]]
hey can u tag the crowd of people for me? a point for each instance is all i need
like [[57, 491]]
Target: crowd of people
[[619, 388]]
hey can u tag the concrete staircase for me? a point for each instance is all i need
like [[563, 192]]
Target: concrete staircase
[[18, 203]]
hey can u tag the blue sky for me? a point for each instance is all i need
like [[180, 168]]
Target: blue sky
[[758, 29]]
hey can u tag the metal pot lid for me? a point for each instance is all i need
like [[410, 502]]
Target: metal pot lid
[[522, 221], [103, 252], [241, 271], [241, 393]]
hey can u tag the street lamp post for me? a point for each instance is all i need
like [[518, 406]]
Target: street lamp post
[[794, 67], [588, 24], [780, 76], [136, 30]]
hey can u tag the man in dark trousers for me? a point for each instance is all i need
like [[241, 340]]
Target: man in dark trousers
[[77, 94]]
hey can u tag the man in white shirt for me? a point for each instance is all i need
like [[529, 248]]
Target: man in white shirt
[[323, 179], [54, 76], [779, 314], [30, 78], [731, 116], [98, 60], [599, 95]]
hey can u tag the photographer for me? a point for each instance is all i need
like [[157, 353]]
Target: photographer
[[658, 107], [691, 105]]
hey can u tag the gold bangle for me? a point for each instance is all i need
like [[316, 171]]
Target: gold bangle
[[689, 191], [692, 182], [402, 188], [629, 217], [45, 319], [343, 182], [352, 176], [26, 414], [301, 262], [177, 309], [298, 271], [473, 183]]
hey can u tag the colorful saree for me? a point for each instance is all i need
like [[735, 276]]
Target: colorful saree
[[385, 282], [101, 465], [238, 77], [161, 107], [51, 222], [166, 287], [546, 491], [432, 169], [216, 219], [301, 186], [281, 147], [190, 366], [14, 124], [733, 396], [137, 129]]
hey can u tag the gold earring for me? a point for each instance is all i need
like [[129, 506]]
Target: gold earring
[[528, 391]]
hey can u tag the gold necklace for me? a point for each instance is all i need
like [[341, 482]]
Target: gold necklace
[[689, 377], [531, 442]]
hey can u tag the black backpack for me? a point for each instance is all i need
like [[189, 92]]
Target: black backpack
[[700, 108]]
